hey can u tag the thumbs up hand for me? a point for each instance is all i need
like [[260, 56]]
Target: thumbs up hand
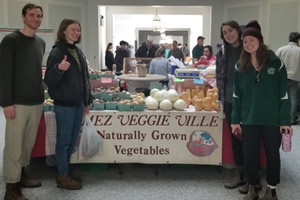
[[64, 65]]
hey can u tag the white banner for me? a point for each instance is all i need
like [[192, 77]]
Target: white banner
[[158, 137]]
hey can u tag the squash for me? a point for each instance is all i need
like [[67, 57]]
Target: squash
[[199, 104], [207, 104], [185, 97]]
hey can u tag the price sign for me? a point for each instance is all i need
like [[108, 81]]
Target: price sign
[[106, 80]]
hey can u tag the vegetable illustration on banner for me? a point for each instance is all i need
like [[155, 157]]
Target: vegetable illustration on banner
[[201, 144]]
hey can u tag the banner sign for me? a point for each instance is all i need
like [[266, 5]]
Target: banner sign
[[158, 137]]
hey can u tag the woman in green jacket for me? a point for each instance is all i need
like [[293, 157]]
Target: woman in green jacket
[[261, 108]]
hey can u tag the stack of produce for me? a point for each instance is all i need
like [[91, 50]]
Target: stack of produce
[[201, 99], [48, 105], [164, 100]]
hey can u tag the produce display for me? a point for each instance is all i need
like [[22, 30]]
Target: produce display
[[94, 74], [203, 99], [112, 99], [165, 100], [48, 105]]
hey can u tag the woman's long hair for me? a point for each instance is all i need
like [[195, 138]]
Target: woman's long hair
[[62, 28], [263, 57], [160, 52], [108, 45], [233, 24]]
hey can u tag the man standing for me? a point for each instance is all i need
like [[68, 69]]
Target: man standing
[[198, 49], [146, 51], [290, 55], [21, 96], [176, 52], [121, 53]]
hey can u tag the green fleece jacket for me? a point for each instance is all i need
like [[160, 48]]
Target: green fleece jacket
[[261, 98]]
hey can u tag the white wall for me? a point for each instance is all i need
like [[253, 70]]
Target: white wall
[[277, 17], [54, 12]]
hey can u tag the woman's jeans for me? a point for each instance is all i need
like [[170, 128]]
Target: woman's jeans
[[68, 124]]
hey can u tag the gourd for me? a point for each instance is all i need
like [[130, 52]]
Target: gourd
[[184, 96], [201, 94], [215, 104], [207, 104], [199, 104]]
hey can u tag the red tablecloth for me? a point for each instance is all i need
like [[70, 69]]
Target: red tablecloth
[[39, 149], [227, 156]]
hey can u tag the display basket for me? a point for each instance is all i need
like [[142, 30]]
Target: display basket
[[98, 106], [93, 76], [47, 108], [107, 97], [124, 107], [138, 107], [124, 96], [111, 106]]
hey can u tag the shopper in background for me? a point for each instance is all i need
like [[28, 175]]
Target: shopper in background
[[198, 49], [186, 50], [227, 56], [261, 105], [290, 55], [147, 50], [161, 66], [168, 49], [22, 97], [176, 52], [68, 85], [121, 53], [109, 57], [208, 58]]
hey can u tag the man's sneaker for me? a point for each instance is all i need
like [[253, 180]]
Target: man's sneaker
[[244, 188], [65, 181], [252, 193], [270, 194]]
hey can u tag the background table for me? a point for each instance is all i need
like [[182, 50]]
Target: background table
[[133, 81]]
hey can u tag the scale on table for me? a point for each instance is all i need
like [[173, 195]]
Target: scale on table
[[187, 73]]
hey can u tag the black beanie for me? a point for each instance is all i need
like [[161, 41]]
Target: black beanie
[[253, 29]]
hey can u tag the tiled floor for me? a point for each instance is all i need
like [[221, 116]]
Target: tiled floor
[[140, 182]]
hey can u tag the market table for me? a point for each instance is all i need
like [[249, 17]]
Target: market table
[[46, 139], [133, 81]]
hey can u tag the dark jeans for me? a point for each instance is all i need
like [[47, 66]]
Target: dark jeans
[[292, 87], [237, 145], [271, 138], [68, 123]]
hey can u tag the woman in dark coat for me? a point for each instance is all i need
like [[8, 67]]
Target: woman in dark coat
[[68, 84], [109, 57]]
